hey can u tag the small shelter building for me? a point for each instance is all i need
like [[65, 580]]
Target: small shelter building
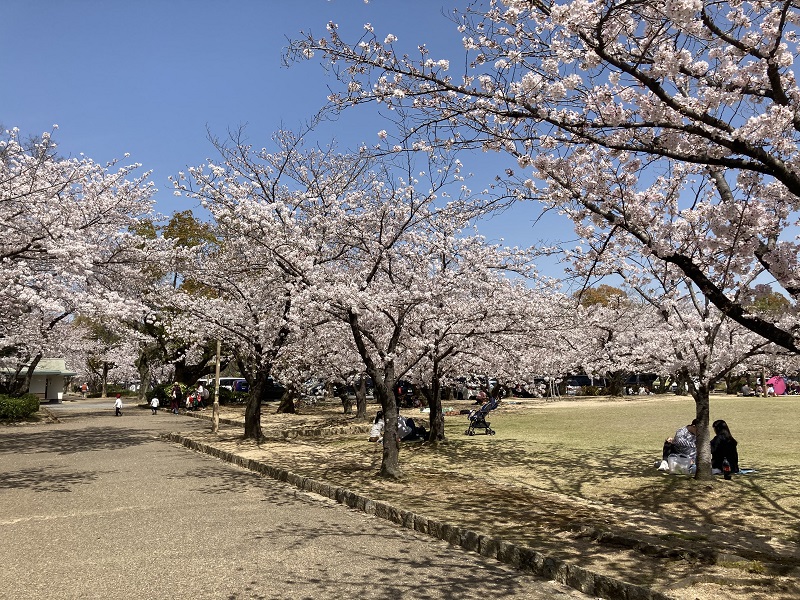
[[50, 378]]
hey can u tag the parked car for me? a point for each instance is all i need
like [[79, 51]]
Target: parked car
[[232, 384], [272, 391]]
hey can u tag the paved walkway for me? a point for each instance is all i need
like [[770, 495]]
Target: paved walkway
[[99, 507]]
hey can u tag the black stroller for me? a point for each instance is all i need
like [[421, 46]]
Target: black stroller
[[477, 418]]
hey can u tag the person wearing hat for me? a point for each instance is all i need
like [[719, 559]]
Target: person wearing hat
[[683, 442], [118, 406]]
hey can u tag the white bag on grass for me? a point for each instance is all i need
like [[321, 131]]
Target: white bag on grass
[[680, 464]]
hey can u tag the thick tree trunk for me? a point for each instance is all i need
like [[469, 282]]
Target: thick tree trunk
[[104, 380], [384, 392], [361, 398], [189, 374], [616, 383], [681, 381], [252, 418], [252, 413], [347, 402], [143, 368], [703, 441]]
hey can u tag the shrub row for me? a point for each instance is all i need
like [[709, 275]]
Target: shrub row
[[17, 408]]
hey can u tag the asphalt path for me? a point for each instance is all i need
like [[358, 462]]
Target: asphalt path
[[98, 506]]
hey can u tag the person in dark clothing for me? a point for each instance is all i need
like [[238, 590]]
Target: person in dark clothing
[[416, 432], [723, 445]]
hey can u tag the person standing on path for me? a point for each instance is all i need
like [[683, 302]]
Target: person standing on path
[[118, 406], [177, 394]]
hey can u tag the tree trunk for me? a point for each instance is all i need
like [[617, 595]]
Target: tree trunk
[[703, 441], [189, 374], [252, 418], [384, 392], [252, 414], [436, 418], [104, 380], [19, 386], [732, 383], [616, 383], [347, 402], [681, 381], [361, 398], [286, 405], [143, 368]]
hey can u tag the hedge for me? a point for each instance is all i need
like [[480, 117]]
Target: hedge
[[17, 408]]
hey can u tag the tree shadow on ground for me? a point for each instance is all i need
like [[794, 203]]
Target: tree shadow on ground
[[45, 479], [410, 566], [221, 479], [624, 480], [69, 441], [542, 488]]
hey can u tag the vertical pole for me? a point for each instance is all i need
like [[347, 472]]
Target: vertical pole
[[215, 410]]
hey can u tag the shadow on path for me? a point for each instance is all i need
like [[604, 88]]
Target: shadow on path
[[45, 479], [63, 441]]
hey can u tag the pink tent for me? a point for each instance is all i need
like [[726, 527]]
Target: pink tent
[[778, 384]]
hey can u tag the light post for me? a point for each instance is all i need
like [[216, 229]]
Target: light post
[[215, 410]]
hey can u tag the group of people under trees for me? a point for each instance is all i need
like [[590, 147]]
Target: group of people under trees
[[194, 400], [724, 452]]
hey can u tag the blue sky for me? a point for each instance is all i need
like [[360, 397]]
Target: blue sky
[[150, 77]]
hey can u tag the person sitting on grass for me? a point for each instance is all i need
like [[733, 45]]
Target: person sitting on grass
[[723, 446], [376, 432], [416, 433], [684, 442]]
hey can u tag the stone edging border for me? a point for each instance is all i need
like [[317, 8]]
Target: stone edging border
[[522, 558]]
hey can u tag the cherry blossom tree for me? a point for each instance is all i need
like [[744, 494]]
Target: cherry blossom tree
[[275, 218], [67, 239], [474, 317], [642, 117], [619, 337]]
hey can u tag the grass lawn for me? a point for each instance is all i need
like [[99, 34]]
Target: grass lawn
[[602, 450], [605, 451]]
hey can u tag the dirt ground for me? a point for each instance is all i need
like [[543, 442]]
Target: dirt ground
[[491, 488]]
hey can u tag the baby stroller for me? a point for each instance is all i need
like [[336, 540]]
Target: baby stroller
[[477, 418]]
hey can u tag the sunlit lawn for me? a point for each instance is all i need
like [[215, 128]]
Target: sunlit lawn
[[605, 451], [598, 450]]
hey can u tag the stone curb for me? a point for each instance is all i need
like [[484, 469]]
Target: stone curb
[[522, 558]]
